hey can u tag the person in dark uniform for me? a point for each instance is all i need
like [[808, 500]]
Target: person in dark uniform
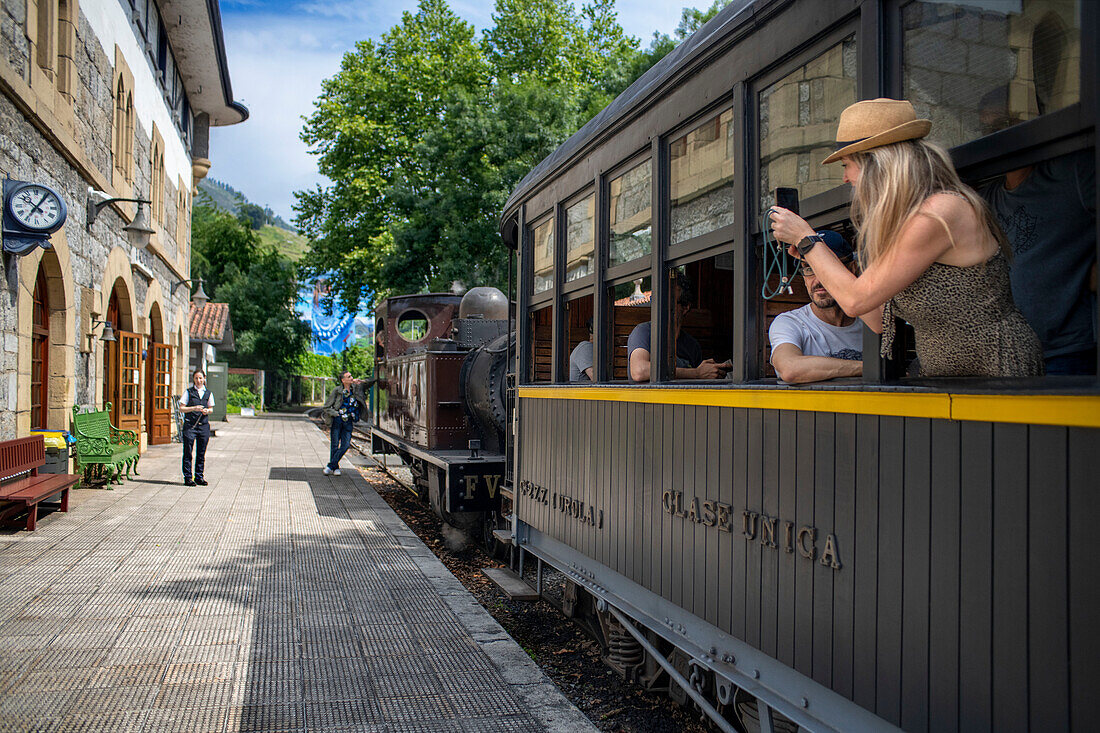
[[196, 404]]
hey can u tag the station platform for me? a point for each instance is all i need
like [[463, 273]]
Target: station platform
[[274, 599]]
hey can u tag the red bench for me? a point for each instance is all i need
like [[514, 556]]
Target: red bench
[[22, 488]]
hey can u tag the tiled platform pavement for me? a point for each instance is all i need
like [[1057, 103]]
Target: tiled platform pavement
[[275, 599]]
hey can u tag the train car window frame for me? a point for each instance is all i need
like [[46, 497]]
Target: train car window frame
[[837, 197], [726, 233], [543, 296], [1048, 135], [644, 262], [585, 281]]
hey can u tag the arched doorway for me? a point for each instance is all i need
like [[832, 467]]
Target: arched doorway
[[40, 353], [122, 362], [158, 381]]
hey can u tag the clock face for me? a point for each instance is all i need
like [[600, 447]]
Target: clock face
[[36, 207]]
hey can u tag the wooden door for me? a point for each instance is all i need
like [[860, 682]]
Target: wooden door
[[128, 380], [110, 362], [158, 394]]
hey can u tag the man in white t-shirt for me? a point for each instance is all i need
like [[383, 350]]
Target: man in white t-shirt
[[818, 341]]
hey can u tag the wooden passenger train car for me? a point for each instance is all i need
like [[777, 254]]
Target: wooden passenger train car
[[863, 554]]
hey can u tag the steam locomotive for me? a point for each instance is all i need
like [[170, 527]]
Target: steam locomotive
[[441, 399]]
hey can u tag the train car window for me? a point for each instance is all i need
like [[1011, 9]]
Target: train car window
[[579, 346], [631, 214], [629, 305], [797, 123], [542, 344], [976, 68], [543, 254], [701, 169], [701, 317], [580, 242]]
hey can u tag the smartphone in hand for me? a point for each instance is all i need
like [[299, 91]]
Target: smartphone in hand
[[787, 198]]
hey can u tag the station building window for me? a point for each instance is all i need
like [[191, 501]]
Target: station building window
[[630, 217], [974, 68], [701, 166], [798, 115]]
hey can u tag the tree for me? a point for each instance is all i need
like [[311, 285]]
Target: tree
[[252, 215], [425, 133], [259, 284], [364, 128], [218, 241]]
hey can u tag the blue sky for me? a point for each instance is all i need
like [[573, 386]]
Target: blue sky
[[280, 50]]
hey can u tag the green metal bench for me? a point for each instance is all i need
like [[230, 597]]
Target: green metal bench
[[101, 448]]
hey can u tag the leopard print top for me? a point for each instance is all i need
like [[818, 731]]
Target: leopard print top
[[966, 323]]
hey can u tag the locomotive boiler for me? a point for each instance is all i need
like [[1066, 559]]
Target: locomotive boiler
[[441, 398]]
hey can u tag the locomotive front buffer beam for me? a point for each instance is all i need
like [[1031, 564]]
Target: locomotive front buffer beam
[[472, 480]]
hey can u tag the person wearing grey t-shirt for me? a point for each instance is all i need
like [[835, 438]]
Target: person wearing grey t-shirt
[[580, 360], [818, 341]]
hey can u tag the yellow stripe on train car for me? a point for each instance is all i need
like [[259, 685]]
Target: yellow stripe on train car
[[1067, 410]]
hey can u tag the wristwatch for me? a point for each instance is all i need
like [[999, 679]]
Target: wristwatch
[[807, 243]]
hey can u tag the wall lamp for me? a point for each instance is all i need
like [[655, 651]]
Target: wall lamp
[[199, 295], [138, 230], [108, 330]]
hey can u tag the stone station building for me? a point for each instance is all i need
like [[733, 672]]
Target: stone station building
[[118, 97]]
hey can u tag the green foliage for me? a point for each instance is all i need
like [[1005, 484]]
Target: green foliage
[[357, 359], [259, 284], [315, 365], [251, 215], [424, 134], [242, 397]]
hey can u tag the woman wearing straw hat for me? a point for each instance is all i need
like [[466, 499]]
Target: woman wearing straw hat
[[930, 250]]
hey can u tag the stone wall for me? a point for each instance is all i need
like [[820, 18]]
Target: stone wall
[[78, 159]]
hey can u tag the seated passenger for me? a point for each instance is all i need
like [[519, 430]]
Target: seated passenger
[[818, 341], [1048, 213], [690, 363], [580, 361]]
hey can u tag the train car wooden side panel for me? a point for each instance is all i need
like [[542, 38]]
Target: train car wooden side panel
[[920, 566]]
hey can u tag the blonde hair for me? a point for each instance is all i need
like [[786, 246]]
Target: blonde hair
[[894, 181]]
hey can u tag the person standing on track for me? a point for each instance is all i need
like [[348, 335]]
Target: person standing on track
[[196, 404], [345, 403]]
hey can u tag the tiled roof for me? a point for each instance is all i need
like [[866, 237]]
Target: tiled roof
[[635, 299], [210, 323]]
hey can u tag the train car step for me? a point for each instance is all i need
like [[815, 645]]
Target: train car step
[[511, 584]]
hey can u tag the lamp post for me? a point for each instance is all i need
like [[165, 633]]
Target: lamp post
[[138, 230], [199, 296]]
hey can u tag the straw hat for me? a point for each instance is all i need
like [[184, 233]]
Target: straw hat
[[876, 122]]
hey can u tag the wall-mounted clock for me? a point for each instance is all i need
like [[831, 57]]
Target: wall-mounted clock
[[32, 212]]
